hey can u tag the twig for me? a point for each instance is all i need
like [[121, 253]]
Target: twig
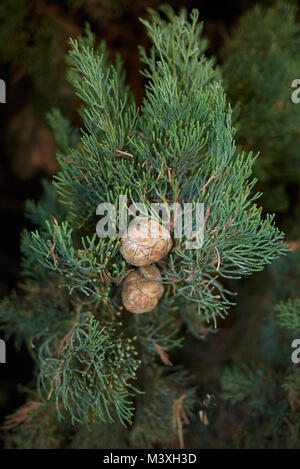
[[163, 355], [21, 415], [178, 413], [89, 366], [27, 288], [210, 179], [124, 153], [293, 245], [206, 214], [66, 339], [218, 257], [51, 251]]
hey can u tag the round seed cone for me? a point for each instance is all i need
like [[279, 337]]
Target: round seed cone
[[147, 242], [142, 289]]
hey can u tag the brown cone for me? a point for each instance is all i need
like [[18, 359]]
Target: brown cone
[[142, 289], [146, 243]]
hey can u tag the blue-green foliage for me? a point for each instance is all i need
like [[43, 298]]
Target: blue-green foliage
[[78, 268], [91, 373], [288, 315], [261, 62], [268, 390], [179, 147]]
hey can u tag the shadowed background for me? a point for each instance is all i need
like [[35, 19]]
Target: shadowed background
[[33, 41]]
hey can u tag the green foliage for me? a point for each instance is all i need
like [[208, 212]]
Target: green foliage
[[288, 315], [261, 62], [260, 65], [79, 269], [109, 119], [65, 135], [92, 374], [239, 384], [156, 417], [103, 436], [35, 426], [162, 332], [178, 147], [178, 47], [32, 319], [30, 42], [268, 389]]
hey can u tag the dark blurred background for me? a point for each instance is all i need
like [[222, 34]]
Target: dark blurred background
[[33, 41]]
